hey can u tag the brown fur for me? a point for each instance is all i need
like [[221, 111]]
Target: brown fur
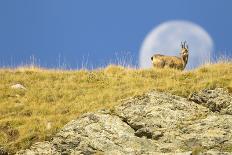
[[162, 61]]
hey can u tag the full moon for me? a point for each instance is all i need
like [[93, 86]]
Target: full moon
[[166, 39]]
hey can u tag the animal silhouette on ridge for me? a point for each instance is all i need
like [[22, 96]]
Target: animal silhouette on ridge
[[163, 61]]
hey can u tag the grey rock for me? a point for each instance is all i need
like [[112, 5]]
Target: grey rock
[[153, 123], [217, 100], [18, 86], [157, 135], [40, 148]]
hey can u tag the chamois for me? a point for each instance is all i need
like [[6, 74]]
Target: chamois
[[161, 61]]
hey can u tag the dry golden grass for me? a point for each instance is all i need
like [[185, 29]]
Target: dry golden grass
[[54, 97]]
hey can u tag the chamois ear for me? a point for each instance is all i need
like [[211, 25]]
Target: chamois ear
[[152, 58]]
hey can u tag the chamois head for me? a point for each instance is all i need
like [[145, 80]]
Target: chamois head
[[184, 49]]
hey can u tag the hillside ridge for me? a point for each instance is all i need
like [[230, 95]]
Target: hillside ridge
[[35, 103]]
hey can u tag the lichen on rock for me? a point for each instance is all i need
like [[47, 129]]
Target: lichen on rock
[[217, 100]]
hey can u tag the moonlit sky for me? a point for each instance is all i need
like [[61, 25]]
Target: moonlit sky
[[166, 38], [94, 33]]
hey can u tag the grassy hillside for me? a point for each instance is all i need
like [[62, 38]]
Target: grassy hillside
[[54, 97]]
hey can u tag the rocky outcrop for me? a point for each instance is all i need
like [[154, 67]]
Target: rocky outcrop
[[153, 123], [216, 100]]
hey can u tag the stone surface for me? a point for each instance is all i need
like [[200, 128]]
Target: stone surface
[[18, 86], [153, 123], [217, 100]]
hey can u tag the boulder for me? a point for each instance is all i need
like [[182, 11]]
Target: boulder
[[18, 86]]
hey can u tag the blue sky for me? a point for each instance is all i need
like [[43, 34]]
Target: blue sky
[[77, 32]]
